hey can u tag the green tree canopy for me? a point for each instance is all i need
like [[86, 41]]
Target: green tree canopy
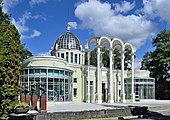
[[158, 62], [10, 57], [25, 53]]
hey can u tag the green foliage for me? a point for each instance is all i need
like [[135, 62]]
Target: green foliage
[[25, 53], [10, 50], [158, 62], [21, 104]]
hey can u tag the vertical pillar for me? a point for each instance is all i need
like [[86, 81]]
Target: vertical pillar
[[88, 77], [111, 100], [122, 78], [132, 92], [99, 85]]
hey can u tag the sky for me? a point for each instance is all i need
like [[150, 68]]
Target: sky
[[41, 22]]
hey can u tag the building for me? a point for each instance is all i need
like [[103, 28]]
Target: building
[[66, 78]]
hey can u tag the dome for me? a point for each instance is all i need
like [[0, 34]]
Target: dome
[[68, 40]]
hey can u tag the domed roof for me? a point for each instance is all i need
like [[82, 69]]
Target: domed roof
[[68, 40]]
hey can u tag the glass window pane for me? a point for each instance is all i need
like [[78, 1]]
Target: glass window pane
[[50, 72], [37, 71], [43, 71], [61, 73], [31, 71]]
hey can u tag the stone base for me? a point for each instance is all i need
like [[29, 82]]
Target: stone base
[[43, 103], [26, 98], [34, 102], [22, 98], [99, 98], [133, 97], [88, 98], [111, 98], [123, 98]]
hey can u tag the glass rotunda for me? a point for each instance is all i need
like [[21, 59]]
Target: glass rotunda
[[68, 47]]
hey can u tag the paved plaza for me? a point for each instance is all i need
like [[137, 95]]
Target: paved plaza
[[159, 108]]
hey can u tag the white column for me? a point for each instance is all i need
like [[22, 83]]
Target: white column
[[99, 85], [122, 78], [132, 67], [111, 94], [88, 77]]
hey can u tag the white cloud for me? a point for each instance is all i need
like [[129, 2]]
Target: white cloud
[[104, 20], [45, 53], [23, 28], [157, 8], [33, 2], [137, 63], [9, 4], [124, 7], [35, 33], [73, 24]]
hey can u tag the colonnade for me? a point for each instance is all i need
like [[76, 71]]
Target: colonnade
[[113, 44]]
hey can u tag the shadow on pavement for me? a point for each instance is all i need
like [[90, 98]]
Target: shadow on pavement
[[157, 116], [114, 106], [150, 116]]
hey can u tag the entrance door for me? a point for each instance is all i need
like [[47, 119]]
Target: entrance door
[[104, 92]]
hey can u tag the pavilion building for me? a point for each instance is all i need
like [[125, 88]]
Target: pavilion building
[[66, 78]]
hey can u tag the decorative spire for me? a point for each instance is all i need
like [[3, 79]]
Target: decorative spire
[[68, 27]]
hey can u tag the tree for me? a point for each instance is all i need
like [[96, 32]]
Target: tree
[[25, 53], [10, 56], [158, 62]]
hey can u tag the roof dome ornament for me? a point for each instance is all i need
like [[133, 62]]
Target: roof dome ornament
[[68, 27]]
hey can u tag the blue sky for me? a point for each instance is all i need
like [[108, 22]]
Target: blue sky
[[41, 22]]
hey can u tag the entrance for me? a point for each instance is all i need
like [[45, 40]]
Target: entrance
[[104, 92]]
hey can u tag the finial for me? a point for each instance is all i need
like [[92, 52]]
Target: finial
[[68, 27]]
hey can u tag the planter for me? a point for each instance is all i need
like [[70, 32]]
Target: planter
[[20, 109]]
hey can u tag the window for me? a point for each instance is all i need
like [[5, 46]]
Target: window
[[71, 57], [61, 73], [37, 71], [26, 71], [75, 58], [50, 72], [67, 56], [56, 72], [62, 55], [79, 58], [75, 80], [43, 71], [75, 92], [66, 73], [58, 54], [31, 71], [91, 82]]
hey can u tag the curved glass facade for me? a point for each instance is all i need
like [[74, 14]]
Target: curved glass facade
[[144, 88], [57, 82]]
